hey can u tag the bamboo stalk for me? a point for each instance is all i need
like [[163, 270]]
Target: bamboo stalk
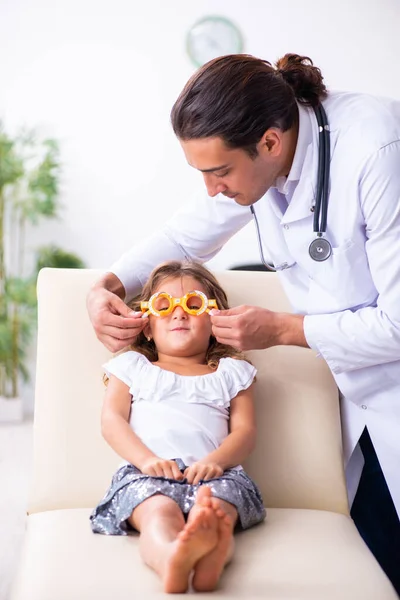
[[14, 352], [2, 285], [2, 241]]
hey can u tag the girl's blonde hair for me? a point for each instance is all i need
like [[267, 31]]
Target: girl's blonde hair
[[178, 269]]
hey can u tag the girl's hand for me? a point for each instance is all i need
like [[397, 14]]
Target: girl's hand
[[159, 467], [198, 471]]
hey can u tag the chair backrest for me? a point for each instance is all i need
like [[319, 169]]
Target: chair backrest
[[298, 459]]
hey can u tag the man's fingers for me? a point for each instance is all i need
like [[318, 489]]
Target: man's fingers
[[225, 336], [112, 344], [229, 312], [132, 322], [225, 321], [234, 342], [224, 332], [112, 341], [115, 323], [118, 306], [121, 334]]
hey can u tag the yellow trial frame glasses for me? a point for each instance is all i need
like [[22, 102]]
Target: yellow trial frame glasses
[[148, 307]]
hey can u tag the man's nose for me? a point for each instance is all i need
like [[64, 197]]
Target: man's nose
[[214, 187]]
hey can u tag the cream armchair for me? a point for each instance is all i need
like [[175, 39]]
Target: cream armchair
[[308, 548]]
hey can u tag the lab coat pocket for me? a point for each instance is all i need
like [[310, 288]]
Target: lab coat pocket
[[342, 281]]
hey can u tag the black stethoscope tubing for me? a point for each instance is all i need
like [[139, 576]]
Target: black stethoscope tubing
[[324, 152], [320, 249]]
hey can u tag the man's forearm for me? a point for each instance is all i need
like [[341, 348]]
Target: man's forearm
[[111, 283], [290, 330]]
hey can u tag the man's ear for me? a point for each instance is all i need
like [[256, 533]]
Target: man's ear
[[271, 142]]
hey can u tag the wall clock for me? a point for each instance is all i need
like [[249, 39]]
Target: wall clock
[[213, 36]]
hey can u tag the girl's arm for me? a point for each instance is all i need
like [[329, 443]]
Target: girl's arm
[[118, 433], [237, 445]]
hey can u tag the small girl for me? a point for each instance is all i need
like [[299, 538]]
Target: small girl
[[179, 410]]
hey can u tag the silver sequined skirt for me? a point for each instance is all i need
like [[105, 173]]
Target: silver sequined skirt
[[129, 487]]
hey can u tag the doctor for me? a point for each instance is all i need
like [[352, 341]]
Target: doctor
[[332, 231]]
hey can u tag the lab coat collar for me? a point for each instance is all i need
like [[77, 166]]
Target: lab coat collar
[[305, 167], [303, 140]]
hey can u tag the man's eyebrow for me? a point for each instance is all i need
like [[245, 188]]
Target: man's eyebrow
[[214, 169]]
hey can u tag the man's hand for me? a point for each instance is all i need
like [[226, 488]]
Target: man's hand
[[202, 470], [159, 467], [115, 324], [255, 328]]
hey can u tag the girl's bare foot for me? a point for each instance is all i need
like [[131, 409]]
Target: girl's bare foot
[[209, 568], [198, 538]]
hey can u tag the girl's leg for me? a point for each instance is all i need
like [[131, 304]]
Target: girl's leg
[[169, 545], [209, 569], [159, 520]]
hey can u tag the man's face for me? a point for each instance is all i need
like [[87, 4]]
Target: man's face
[[232, 172]]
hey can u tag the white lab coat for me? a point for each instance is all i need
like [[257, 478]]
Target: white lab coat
[[352, 300]]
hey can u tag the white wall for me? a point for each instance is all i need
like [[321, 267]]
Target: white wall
[[101, 76]]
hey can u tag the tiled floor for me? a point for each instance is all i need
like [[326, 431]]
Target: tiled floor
[[15, 472]]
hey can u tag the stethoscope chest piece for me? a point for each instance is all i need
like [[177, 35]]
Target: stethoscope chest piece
[[320, 249]]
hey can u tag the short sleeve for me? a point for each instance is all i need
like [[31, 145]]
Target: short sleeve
[[123, 366], [238, 375]]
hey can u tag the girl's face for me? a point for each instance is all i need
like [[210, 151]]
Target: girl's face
[[180, 334]]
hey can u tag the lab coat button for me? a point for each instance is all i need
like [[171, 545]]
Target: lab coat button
[[363, 406], [286, 226]]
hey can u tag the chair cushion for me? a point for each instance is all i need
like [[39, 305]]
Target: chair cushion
[[297, 462], [296, 554]]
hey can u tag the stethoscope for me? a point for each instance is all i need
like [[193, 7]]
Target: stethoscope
[[320, 249]]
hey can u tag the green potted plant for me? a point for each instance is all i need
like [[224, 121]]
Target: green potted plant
[[29, 191]]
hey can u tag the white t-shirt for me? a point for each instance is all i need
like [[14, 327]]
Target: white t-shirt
[[180, 416]]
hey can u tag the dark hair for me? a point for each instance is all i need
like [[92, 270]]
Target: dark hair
[[238, 97], [177, 269]]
